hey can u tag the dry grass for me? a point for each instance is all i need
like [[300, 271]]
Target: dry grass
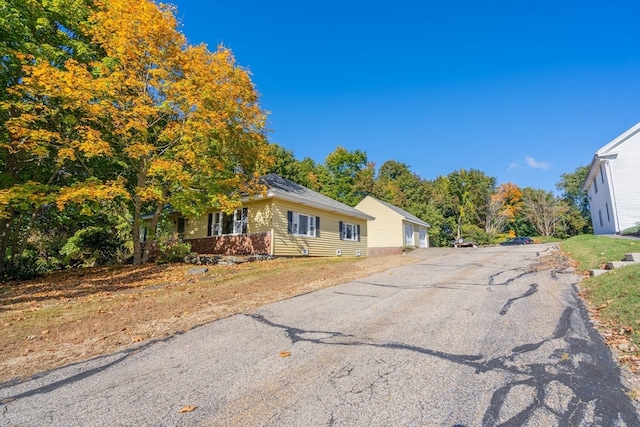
[[75, 315]]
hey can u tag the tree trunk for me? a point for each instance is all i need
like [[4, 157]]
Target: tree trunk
[[5, 224], [137, 212], [152, 237], [10, 172]]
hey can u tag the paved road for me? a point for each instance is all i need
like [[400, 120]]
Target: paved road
[[464, 337]]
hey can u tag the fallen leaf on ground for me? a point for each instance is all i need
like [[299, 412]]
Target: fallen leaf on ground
[[285, 354], [187, 408]]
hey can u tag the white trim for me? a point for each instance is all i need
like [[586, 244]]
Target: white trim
[[355, 237], [612, 194], [310, 226]]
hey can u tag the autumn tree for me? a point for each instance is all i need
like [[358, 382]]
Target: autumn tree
[[156, 121], [32, 31], [504, 205]]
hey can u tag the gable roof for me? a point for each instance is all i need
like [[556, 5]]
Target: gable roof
[[406, 215], [285, 189], [612, 146], [608, 151]]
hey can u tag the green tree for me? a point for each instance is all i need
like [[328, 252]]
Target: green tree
[[578, 218], [340, 173], [304, 172], [32, 31], [470, 197]]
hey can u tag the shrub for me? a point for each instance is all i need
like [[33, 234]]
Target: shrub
[[92, 246], [631, 231], [476, 234], [28, 266], [171, 249]]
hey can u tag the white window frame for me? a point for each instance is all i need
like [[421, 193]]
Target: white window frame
[[301, 221], [239, 223], [350, 232], [216, 224], [239, 220]]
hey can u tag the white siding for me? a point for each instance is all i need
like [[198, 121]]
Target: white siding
[[614, 185], [600, 199], [625, 177]]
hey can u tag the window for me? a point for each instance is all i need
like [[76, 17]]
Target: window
[[221, 224], [181, 225], [349, 232], [303, 225], [606, 205], [601, 174], [595, 185], [600, 216]]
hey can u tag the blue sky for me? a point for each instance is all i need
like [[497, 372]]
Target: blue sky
[[521, 90]]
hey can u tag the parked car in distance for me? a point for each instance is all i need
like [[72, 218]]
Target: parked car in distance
[[518, 241]]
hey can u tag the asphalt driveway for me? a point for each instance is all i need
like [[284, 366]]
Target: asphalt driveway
[[463, 337]]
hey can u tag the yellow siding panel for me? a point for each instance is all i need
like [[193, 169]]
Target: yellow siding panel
[[259, 218], [387, 230], [271, 215], [326, 244]]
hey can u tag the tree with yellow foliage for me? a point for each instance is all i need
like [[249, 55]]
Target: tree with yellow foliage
[[154, 120], [504, 205]]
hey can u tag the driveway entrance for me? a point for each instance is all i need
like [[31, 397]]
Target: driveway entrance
[[463, 337]]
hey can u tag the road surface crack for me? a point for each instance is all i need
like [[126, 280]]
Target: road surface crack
[[533, 288]]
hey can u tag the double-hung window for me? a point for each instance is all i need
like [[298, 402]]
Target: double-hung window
[[349, 231], [302, 225], [221, 224]]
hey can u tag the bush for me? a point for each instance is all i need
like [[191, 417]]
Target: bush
[[631, 231], [29, 265], [476, 234], [92, 246], [171, 249]]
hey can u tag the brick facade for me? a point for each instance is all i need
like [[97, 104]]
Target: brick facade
[[385, 251], [246, 244]]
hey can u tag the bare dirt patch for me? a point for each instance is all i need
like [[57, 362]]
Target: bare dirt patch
[[75, 315]]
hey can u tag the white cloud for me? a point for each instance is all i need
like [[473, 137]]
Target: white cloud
[[513, 167], [529, 162], [534, 164]]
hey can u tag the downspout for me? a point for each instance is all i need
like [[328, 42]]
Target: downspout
[[612, 192]]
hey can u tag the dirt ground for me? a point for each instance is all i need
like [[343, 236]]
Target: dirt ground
[[75, 315]]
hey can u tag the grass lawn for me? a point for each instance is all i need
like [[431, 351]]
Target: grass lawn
[[614, 297], [594, 251]]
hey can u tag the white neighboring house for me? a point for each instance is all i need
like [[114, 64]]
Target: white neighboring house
[[613, 184]]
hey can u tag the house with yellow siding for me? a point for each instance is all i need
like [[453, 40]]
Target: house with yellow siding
[[392, 229], [287, 220]]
